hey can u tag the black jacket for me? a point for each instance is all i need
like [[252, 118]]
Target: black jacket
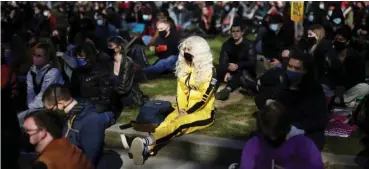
[[93, 82], [349, 73], [274, 44], [244, 56], [306, 107], [319, 57]]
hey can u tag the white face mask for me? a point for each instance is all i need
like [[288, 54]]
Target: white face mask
[[321, 6], [180, 7], [46, 13]]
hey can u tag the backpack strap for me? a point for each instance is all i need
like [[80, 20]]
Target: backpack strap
[[37, 87], [70, 124]]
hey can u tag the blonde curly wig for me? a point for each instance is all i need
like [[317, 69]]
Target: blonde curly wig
[[202, 63]]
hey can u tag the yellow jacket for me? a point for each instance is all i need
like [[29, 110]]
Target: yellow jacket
[[194, 97]]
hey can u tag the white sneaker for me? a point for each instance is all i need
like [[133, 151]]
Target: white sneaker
[[137, 151]]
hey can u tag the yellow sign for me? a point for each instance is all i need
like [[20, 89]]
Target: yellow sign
[[297, 11]]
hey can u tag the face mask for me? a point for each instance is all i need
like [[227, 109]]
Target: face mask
[[321, 6], [82, 61], [293, 76], [226, 8], [337, 21], [100, 22], [163, 33], [311, 41], [285, 62], [330, 13], [180, 7], [145, 17], [188, 57], [339, 45], [273, 27], [111, 52], [343, 9], [46, 13], [311, 18], [37, 11], [274, 142]]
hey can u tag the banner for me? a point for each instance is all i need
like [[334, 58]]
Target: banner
[[297, 11]]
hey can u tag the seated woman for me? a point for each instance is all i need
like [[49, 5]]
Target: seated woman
[[40, 76], [195, 98], [166, 48], [280, 145], [91, 80]]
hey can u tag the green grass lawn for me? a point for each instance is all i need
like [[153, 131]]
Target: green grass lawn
[[233, 121]]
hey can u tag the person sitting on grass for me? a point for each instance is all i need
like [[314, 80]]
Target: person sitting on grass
[[195, 99], [280, 144], [84, 127], [237, 60], [166, 48]]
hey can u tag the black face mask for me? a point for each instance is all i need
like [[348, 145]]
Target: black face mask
[[339, 45], [311, 41], [111, 52], [276, 142], [188, 57], [285, 62], [163, 33]]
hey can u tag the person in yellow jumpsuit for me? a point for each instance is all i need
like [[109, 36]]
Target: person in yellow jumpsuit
[[195, 98]]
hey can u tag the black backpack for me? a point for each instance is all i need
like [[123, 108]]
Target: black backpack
[[138, 55], [361, 115]]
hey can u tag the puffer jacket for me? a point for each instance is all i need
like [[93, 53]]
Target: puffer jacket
[[196, 97], [93, 82]]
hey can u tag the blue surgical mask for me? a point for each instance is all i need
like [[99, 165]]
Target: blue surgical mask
[[81, 61], [311, 18], [273, 27], [293, 76], [330, 13], [226, 8], [337, 21], [145, 17], [321, 6], [100, 22]]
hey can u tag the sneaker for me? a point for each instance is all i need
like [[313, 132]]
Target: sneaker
[[222, 95], [234, 166], [126, 141], [137, 151]]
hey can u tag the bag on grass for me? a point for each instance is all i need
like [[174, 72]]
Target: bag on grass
[[150, 116]]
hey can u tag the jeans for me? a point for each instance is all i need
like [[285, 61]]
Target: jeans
[[167, 64]]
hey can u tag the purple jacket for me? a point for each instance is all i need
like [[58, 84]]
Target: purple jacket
[[297, 152]]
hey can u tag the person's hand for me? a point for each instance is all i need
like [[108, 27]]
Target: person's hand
[[275, 62], [232, 67], [285, 53], [55, 33], [181, 112], [227, 77]]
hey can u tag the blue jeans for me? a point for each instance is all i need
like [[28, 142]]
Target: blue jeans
[[108, 118], [167, 64]]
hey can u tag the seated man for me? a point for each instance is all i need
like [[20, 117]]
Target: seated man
[[237, 60], [195, 99], [279, 142], [45, 133], [41, 75], [300, 93], [166, 48], [84, 127], [276, 41], [346, 70]]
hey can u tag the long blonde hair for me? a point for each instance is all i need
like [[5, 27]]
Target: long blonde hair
[[202, 63]]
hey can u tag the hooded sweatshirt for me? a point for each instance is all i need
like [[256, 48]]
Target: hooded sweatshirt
[[297, 152]]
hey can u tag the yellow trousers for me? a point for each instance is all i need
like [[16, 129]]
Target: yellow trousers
[[172, 127]]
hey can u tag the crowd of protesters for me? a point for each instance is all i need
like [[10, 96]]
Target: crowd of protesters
[[84, 61]]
